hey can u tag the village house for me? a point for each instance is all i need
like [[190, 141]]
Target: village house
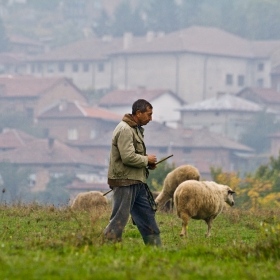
[[12, 63], [50, 158], [275, 78], [195, 63], [30, 95], [266, 97], [73, 122], [275, 144], [78, 187], [200, 148], [164, 102], [227, 115], [85, 62], [11, 139]]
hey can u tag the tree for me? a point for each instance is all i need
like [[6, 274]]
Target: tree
[[127, 20], [189, 12], [44, 5], [162, 15], [157, 176], [256, 136], [263, 21], [55, 192], [3, 38], [102, 26], [13, 181]]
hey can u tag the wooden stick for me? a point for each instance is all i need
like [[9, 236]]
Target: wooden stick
[[155, 164]]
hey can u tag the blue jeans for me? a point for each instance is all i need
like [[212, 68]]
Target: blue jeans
[[131, 200]]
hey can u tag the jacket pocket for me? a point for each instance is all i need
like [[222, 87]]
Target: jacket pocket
[[139, 148]]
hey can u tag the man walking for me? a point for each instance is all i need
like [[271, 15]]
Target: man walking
[[127, 175]]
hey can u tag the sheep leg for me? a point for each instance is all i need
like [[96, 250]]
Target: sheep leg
[[185, 218], [209, 223]]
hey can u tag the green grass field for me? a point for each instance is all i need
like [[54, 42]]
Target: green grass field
[[38, 242]]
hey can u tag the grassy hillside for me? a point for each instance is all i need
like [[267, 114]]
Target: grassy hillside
[[40, 242]]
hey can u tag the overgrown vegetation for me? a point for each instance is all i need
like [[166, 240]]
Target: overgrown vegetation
[[255, 190], [42, 242], [157, 176]]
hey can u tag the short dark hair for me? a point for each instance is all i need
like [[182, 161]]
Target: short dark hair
[[141, 104]]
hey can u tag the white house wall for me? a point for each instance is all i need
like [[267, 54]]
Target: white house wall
[[91, 79], [230, 124], [164, 109], [194, 77]]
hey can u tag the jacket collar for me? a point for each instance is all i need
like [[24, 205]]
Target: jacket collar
[[132, 123]]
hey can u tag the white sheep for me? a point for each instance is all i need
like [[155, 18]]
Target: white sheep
[[201, 200], [173, 180], [87, 201]]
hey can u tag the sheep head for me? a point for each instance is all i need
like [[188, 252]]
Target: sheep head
[[229, 197]]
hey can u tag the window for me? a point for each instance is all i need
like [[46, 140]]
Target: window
[[75, 67], [186, 150], [72, 134], [39, 67], [241, 81], [32, 68], [100, 67], [86, 67], [162, 150], [30, 112], [229, 79], [260, 67], [93, 134], [61, 67], [50, 68], [260, 83]]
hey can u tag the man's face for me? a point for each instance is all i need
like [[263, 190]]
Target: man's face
[[146, 117]]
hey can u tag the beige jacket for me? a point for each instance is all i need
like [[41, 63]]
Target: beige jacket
[[128, 159]]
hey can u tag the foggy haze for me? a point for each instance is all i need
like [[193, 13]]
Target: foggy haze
[[70, 69]]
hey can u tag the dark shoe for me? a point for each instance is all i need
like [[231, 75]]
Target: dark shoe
[[153, 239]]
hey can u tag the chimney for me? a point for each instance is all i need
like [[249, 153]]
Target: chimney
[[127, 40], [150, 36], [220, 94], [50, 143], [2, 89], [62, 105], [107, 38]]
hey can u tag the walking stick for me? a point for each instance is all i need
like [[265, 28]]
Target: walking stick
[[155, 164]]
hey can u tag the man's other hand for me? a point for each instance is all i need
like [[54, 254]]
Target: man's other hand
[[152, 159]]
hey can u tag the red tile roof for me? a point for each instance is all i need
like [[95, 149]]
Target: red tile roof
[[27, 86], [195, 39], [88, 49], [268, 95], [13, 138], [40, 153], [75, 109], [276, 70], [127, 97], [206, 40]]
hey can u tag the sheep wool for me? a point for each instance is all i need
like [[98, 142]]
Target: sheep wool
[[201, 200], [173, 180], [87, 201]]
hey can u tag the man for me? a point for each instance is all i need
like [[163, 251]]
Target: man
[[127, 175]]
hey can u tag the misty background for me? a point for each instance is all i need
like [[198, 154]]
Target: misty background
[[53, 24]]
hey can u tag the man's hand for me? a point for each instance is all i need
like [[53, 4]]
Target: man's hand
[[152, 159]]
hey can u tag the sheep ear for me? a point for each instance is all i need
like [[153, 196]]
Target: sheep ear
[[231, 192]]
